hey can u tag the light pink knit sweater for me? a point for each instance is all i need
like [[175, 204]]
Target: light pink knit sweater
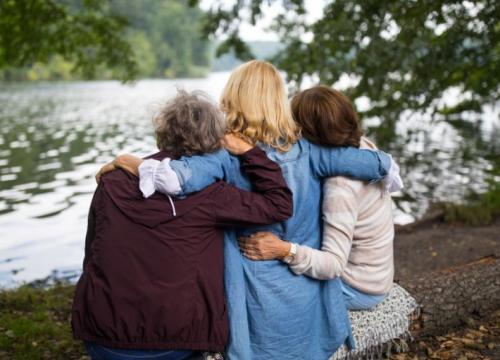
[[357, 236]]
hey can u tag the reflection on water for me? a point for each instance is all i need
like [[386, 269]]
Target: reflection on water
[[53, 139], [55, 136], [444, 161]]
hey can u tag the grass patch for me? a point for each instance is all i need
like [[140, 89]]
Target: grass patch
[[35, 324], [481, 209]]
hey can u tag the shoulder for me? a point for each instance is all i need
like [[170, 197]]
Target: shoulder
[[367, 144], [296, 151], [160, 155], [221, 156], [343, 187], [338, 184], [119, 176], [340, 195]]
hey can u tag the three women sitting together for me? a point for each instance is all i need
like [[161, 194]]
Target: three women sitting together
[[253, 244]]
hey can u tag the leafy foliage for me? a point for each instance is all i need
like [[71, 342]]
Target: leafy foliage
[[402, 55], [86, 34], [101, 39], [222, 21]]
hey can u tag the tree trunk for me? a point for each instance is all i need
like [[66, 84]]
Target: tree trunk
[[449, 297]]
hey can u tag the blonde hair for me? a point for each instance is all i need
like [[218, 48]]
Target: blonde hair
[[256, 107]]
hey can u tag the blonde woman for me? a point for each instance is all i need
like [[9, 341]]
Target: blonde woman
[[273, 313]]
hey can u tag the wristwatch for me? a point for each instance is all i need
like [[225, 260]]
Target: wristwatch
[[291, 254]]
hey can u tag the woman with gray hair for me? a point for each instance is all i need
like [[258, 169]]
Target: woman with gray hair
[[152, 282]]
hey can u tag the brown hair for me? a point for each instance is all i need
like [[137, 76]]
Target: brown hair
[[327, 117], [189, 124]]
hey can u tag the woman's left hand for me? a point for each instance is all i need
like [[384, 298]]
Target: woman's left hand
[[235, 144], [264, 246]]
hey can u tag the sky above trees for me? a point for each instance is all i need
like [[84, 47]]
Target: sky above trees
[[261, 31]]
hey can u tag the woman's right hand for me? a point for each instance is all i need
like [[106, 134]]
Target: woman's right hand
[[106, 168], [126, 162], [264, 245], [236, 145]]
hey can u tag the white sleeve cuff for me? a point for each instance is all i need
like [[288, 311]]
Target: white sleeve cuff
[[298, 262], [157, 175], [147, 172], [393, 182]]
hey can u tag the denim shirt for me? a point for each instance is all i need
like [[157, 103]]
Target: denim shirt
[[273, 313]]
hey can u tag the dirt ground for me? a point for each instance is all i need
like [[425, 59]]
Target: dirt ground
[[435, 246], [431, 246]]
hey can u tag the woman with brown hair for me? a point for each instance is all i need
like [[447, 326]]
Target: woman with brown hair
[[358, 230], [273, 314]]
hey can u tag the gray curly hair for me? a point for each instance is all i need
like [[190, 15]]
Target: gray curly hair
[[189, 124]]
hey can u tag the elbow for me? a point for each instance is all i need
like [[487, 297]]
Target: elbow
[[334, 269], [279, 206], [287, 213], [283, 213], [327, 274], [385, 161], [286, 210], [331, 275]]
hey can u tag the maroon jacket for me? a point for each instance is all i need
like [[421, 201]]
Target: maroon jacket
[[152, 280]]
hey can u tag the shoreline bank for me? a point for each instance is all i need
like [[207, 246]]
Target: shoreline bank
[[34, 319]]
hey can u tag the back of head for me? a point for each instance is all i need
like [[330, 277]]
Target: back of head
[[189, 124], [327, 117], [256, 106]]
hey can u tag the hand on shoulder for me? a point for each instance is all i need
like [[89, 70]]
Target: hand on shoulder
[[235, 144]]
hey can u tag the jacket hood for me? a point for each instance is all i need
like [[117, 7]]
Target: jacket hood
[[123, 189]]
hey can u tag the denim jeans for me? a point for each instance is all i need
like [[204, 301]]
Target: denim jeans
[[99, 352], [358, 300]]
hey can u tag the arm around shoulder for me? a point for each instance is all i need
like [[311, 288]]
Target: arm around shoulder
[[360, 164], [270, 202]]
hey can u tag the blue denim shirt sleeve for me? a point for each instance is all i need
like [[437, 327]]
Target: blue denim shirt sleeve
[[360, 164], [197, 172]]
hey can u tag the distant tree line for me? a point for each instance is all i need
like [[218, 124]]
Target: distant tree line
[[126, 39], [165, 37], [260, 50]]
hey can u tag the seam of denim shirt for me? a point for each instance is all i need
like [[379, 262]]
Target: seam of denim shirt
[[184, 172]]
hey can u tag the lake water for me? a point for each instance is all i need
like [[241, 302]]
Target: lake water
[[55, 136]]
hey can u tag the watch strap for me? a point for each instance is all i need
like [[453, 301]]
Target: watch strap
[[291, 254]]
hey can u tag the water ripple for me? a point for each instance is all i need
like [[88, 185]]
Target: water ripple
[[55, 136]]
